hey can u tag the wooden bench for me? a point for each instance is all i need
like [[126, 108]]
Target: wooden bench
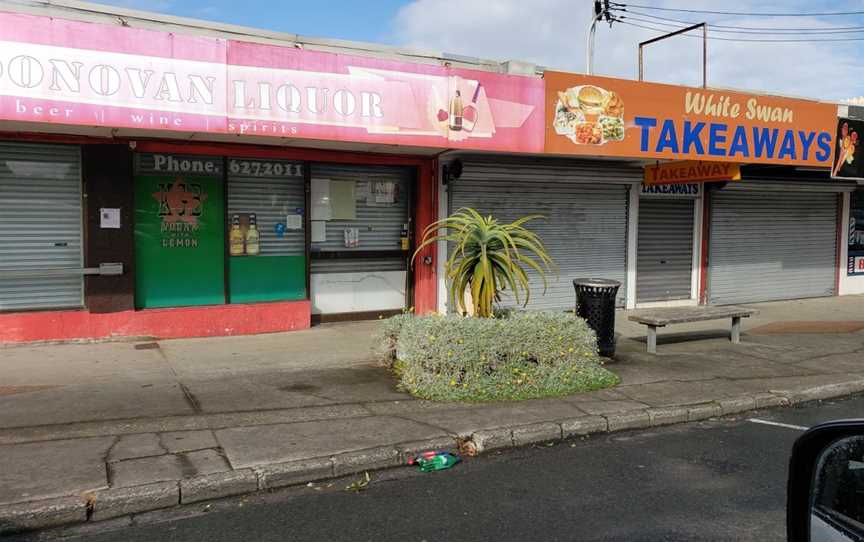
[[667, 317]]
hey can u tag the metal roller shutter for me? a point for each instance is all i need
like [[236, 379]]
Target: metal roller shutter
[[379, 226], [664, 263], [767, 246], [585, 230], [272, 198], [40, 226]]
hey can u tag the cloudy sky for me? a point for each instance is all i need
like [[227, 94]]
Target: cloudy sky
[[552, 33]]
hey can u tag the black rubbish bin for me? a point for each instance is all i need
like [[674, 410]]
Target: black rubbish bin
[[595, 302]]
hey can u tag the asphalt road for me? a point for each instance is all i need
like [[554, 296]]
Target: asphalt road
[[715, 480]]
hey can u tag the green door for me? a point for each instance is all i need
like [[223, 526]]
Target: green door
[[179, 232]]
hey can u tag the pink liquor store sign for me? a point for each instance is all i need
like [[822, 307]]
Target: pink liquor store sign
[[85, 74]]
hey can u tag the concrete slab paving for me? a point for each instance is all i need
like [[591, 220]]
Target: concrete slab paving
[[44, 470], [466, 421], [187, 441], [239, 394], [146, 470], [69, 364], [88, 402], [795, 383], [193, 407], [668, 393], [260, 445], [835, 363], [609, 407], [132, 446]]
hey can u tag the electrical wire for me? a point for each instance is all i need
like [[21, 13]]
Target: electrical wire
[[743, 13], [768, 29], [713, 28], [742, 39]]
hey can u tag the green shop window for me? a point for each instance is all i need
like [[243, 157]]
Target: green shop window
[[266, 230], [179, 231]]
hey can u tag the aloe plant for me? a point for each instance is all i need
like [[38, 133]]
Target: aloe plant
[[488, 257]]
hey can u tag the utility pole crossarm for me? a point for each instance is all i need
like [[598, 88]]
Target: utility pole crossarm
[[704, 27]]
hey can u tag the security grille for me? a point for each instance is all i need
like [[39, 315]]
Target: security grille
[[664, 261], [585, 205], [40, 226], [772, 245]]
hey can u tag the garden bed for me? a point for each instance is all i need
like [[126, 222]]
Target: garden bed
[[522, 355]]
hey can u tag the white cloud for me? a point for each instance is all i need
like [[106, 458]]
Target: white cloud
[[552, 33]]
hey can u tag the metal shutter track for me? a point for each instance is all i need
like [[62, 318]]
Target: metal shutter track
[[40, 225], [767, 246], [665, 235], [585, 229]]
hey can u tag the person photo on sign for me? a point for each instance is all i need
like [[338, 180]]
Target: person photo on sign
[[848, 160]]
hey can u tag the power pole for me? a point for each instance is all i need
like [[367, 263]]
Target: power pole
[[601, 11]]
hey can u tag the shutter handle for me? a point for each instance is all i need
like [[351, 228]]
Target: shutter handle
[[61, 244], [662, 261]]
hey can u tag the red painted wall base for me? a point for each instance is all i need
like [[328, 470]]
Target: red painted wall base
[[174, 323]]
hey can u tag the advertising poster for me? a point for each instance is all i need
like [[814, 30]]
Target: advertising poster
[[855, 264], [602, 116], [179, 232], [244, 239], [849, 156]]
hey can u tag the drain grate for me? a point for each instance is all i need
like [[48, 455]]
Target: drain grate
[[147, 346]]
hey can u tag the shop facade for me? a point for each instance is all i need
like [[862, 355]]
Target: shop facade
[[685, 196], [195, 184], [850, 165], [172, 185]]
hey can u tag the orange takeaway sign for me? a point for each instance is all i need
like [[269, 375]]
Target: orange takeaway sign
[[691, 171], [602, 116]]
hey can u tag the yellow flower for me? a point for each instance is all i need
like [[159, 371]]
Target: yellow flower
[[452, 381], [570, 349], [450, 354]]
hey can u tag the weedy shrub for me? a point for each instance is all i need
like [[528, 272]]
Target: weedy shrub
[[523, 355]]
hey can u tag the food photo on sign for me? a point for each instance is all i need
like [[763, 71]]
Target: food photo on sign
[[849, 155], [604, 116], [589, 115]]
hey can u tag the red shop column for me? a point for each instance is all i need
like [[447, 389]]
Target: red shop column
[[426, 211]]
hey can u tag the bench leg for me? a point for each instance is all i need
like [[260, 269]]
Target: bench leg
[[652, 339], [736, 330]]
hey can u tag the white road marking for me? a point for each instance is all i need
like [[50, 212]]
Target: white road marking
[[778, 424]]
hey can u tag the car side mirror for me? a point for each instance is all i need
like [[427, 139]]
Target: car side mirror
[[825, 495]]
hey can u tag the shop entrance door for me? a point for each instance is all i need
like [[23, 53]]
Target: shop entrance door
[[179, 231], [359, 239], [664, 261]]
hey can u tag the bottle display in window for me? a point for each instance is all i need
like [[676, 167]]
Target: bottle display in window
[[235, 237], [253, 237]]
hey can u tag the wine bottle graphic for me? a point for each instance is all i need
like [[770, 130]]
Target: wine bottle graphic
[[470, 113], [456, 112]]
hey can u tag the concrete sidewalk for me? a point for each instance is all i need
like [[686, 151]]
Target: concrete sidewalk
[[95, 431]]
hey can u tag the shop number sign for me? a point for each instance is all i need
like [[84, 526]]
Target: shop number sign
[[256, 168]]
